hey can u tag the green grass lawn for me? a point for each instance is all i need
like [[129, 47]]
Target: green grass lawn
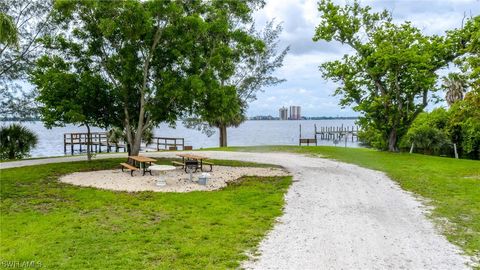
[[68, 227], [452, 186]]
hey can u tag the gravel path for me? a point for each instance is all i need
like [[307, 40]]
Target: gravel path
[[341, 216]]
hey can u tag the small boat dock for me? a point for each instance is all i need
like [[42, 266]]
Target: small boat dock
[[99, 142], [330, 133]]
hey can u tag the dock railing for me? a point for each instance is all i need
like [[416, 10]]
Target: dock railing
[[78, 142]]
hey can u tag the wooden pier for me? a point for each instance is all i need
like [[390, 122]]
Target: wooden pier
[[337, 133], [163, 143], [330, 133], [99, 142]]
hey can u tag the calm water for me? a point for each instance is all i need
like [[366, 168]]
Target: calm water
[[249, 133]]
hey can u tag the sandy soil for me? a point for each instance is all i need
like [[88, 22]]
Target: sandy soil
[[341, 216], [177, 181]]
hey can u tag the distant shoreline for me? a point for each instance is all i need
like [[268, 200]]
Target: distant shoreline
[[259, 118], [250, 119]]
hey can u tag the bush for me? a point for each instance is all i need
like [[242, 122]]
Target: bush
[[464, 125], [369, 136], [428, 134], [427, 140], [437, 131], [16, 141]]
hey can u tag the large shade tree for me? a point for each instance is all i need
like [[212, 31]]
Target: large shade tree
[[82, 98], [255, 61], [159, 58], [390, 74]]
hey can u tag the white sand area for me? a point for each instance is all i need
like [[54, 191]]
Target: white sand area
[[177, 180]]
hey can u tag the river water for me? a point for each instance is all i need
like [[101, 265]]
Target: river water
[[250, 133]]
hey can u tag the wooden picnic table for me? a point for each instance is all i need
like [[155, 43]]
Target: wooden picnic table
[[141, 160], [191, 157]]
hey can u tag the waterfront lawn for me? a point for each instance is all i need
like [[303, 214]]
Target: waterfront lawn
[[452, 186], [67, 227]]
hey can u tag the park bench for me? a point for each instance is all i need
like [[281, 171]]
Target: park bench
[[207, 163], [176, 163], [129, 167]]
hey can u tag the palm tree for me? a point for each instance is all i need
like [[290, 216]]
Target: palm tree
[[455, 86], [16, 141], [8, 31], [117, 135]]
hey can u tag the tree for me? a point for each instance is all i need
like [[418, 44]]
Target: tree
[[31, 20], [255, 61], [8, 31], [469, 61], [117, 135], [16, 141], [391, 71], [428, 133], [464, 124], [76, 98], [455, 86], [158, 57]]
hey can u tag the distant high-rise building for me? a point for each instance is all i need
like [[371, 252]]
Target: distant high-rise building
[[283, 113], [295, 113]]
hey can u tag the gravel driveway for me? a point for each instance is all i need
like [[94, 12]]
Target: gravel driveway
[[340, 216]]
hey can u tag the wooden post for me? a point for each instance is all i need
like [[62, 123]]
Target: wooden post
[[300, 138], [100, 142], [71, 143], [80, 142], [91, 144], [108, 143]]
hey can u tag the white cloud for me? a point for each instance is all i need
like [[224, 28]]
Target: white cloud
[[305, 85]]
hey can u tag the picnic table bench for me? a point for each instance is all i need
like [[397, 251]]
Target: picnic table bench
[[129, 167], [141, 161]]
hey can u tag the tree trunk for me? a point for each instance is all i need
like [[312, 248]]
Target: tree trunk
[[223, 135], [129, 149], [392, 140], [135, 146], [89, 143]]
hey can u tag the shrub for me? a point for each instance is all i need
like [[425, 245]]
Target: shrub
[[369, 136], [16, 141], [427, 133], [464, 125]]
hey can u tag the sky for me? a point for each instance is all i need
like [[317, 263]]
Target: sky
[[304, 84]]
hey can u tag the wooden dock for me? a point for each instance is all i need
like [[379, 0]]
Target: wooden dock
[[99, 142], [330, 133], [337, 133]]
